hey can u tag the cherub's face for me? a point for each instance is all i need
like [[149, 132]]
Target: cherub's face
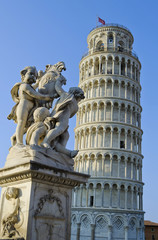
[[12, 193], [80, 97], [30, 76]]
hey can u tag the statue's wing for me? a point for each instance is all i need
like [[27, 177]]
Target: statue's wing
[[15, 92], [12, 115]]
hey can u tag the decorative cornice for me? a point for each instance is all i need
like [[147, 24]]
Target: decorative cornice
[[122, 100], [113, 77], [106, 150], [67, 179], [107, 210], [107, 123]]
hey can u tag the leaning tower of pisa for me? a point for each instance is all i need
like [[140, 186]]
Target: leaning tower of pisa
[[108, 136]]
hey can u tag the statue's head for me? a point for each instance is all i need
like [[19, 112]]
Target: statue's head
[[60, 66], [12, 193], [29, 75], [77, 92], [40, 114]]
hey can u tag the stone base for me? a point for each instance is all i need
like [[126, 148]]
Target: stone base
[[46, 156], [36, 200]]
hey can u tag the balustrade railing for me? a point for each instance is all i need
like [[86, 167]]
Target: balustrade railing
[[111, 25], [111, 50]]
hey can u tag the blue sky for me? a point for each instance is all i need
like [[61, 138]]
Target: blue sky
[[45, 32]]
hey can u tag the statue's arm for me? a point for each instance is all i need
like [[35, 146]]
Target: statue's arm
[[58, 86], [36, 84], [31, 92]]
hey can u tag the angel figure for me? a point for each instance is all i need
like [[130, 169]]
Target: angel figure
[[26, 99], [43, 123], [65, 108], [11, 218]]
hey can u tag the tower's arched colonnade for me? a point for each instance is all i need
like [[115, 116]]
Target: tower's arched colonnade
[[108, 136]]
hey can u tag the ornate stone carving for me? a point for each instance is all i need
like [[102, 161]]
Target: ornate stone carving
[[39, 128], [11, 219], [51, 80], [50, 198], [43, 128], [118, 222], [37, 175], [85, 221], [101, 222], [26, 99]]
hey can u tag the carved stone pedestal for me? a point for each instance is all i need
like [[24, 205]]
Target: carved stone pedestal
[[36, 200]]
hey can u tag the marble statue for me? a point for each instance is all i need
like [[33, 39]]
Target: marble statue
[[43, 123], [65, 108], [26, 99], [44, 129], [38, 176], [48, 82], [12, 217], [51, 81], [38, 130]]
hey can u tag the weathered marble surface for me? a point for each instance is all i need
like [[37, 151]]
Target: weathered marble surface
[[44, 200], [31, 114], [38, 178], [20, 155]]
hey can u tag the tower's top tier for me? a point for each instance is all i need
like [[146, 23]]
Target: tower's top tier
[[110, 37]]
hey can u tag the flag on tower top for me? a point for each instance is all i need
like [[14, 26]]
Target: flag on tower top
[[101, 21]]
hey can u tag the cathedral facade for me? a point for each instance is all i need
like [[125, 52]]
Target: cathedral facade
[[108, 136]]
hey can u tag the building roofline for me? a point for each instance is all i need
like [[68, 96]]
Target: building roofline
[[114, 25], [149, 223]]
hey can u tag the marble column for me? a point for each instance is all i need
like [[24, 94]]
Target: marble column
[[111, 138], [92, 231], [132, 200], [87, 196], [126, 190], [119, 159], [126, 232], [109, 232], [118, 203], [125, 168], [81, 192], [102, 196], [106, 66], [119, 67], [125, 68], [78, 231], [110, 205], [94, 190], [113, 61]]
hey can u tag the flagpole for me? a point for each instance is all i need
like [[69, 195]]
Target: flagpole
[[96, 21]]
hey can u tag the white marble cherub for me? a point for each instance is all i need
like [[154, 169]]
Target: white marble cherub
[[43, 123], [26, 98], [11, 218], [65, 108], [38, 130]]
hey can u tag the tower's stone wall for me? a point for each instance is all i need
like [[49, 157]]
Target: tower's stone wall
[[108, 135]]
